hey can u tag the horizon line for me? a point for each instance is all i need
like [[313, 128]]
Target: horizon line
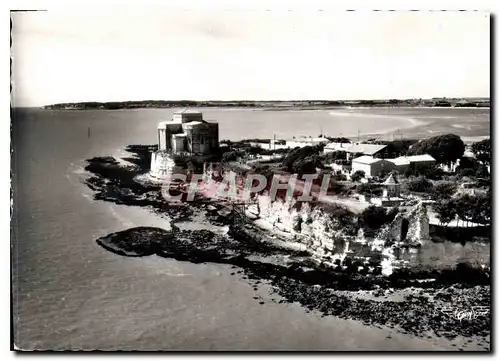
[[269, 100]]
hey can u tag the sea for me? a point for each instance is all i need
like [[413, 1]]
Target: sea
[[68, 293]]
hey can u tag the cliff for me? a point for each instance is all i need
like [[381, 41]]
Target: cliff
[[330, 234]]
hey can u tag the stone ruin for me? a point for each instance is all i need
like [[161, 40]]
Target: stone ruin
[[410, 228]]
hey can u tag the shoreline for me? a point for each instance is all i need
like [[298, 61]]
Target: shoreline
[[294, 274], [414, 122], [262, 108]]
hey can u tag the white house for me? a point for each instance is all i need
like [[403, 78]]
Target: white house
[[341, 167], [353, 149], [372, 167], [305, 141], [417, 161]]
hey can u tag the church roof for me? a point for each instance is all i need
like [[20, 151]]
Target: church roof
[[391, 180]]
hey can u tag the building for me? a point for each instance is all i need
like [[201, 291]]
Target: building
[[358, 149], [392, 188], [187, 132], [401, 164], [341, 166], [272, 144], [372, 167], [391, 193], [306, 141]]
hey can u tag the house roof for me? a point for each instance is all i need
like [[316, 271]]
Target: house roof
[[367, 149], [391, 180], [366, 159], [400, 161], [421, 158], [412, 159]]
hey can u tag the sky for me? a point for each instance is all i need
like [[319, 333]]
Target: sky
[[61, 56]]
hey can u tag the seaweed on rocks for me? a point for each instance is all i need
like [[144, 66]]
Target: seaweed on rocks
[[136, 242], [314, 286]]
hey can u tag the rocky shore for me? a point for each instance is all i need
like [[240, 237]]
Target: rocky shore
[[426, 303], [425, 307]]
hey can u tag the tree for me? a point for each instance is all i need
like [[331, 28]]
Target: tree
[[339, 140], [230, 156], [445, 190], [255, 150], [473, 168], [357, 175], [474, 208], [430, 171], [303, 154], [465, 207], [305, 165], [445, 148], [446, 210], [482, 171], [482, 211], [420, 184], [375, 217], [482, 151], [370, 189], [335, 155]]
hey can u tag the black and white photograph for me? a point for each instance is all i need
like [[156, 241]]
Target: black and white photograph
[[250, 180]]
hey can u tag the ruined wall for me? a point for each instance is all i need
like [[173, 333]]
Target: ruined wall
[[318, 229], [311, 226], [162, 165], [418, 230], [411, 228]]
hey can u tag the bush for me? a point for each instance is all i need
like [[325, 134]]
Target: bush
[[230, 156], [375, 217], [430, 172], [339, 178], [421, 185], [303, 160], [343, 219], [482, 151], [445, 190], [357, 175], [335, 155], [370, 189], [466, 172]]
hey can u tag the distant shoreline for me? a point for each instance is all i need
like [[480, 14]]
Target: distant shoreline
[[281, 105]]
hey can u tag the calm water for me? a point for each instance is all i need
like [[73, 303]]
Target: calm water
[[70, 293]]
